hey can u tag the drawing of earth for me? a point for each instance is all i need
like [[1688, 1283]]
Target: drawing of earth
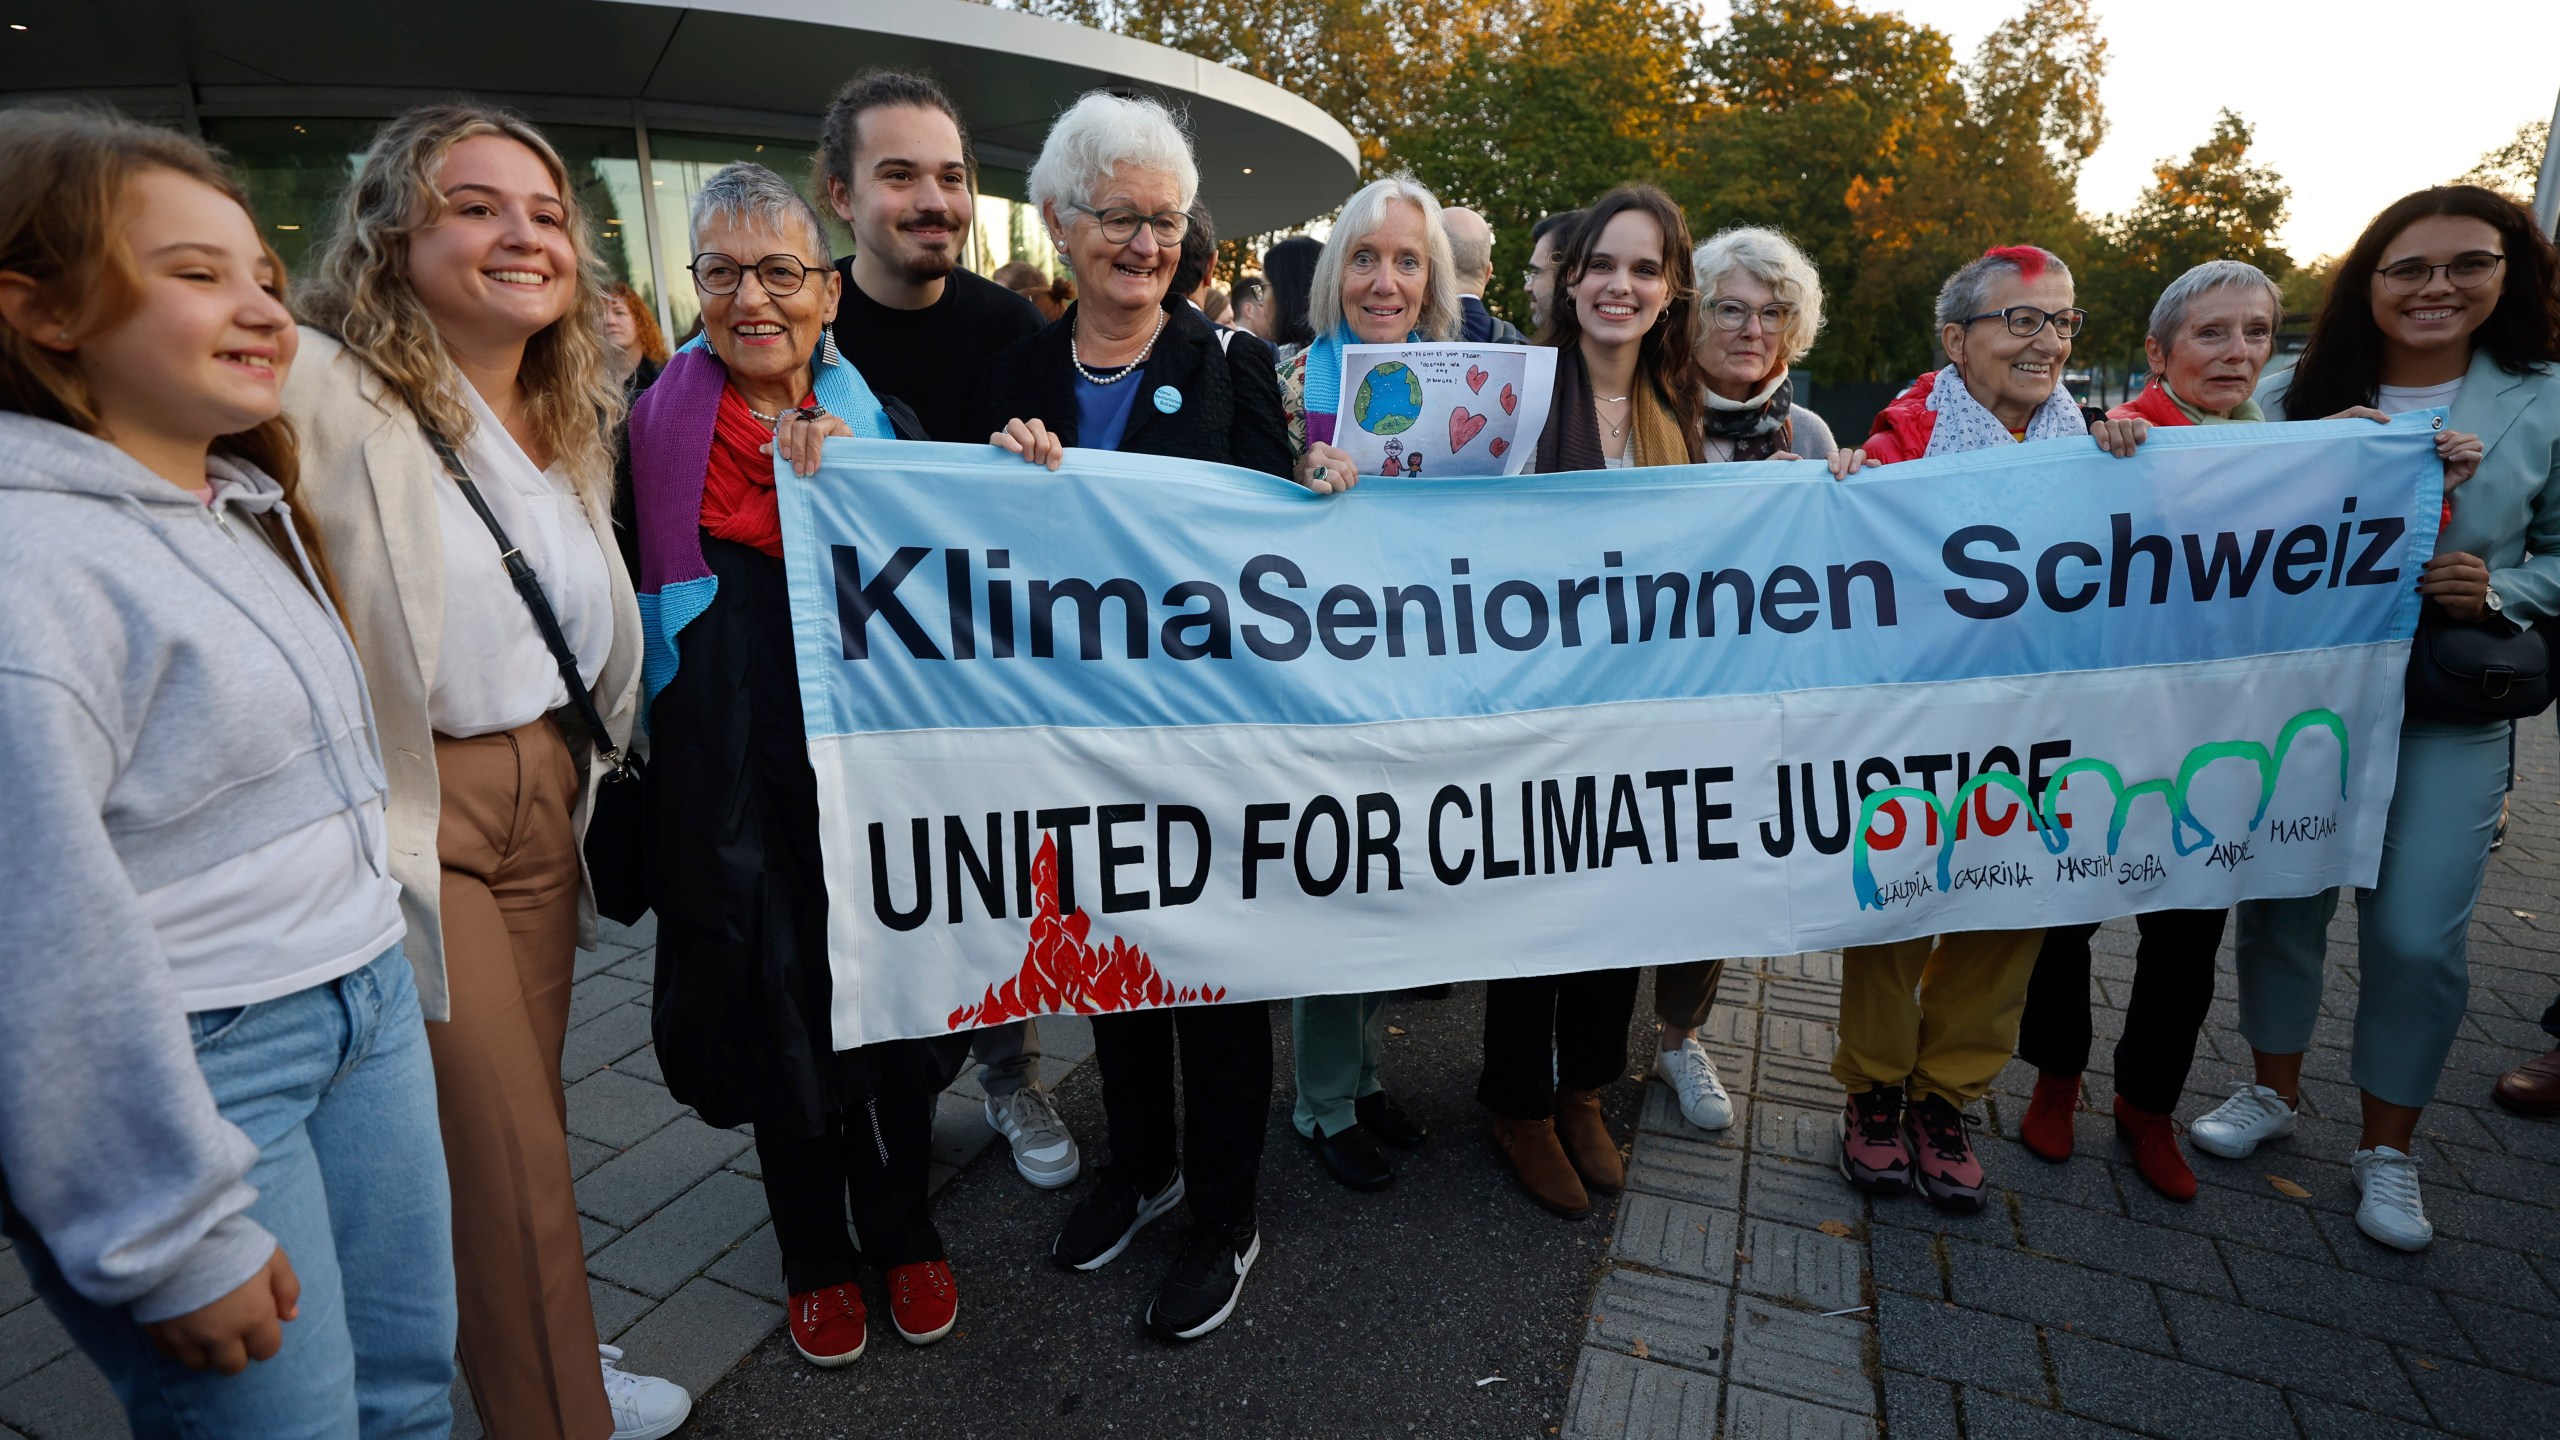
[[1390, 400]]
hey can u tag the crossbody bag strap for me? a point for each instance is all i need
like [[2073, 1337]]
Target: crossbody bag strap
[[529, 589]]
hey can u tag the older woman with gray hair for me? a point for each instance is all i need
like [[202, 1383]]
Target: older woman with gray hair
[[743, 983], [1760, 306], [1384, 278], [1121, 370]]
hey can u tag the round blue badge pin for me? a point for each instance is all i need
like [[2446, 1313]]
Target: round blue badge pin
[[1168, 399]]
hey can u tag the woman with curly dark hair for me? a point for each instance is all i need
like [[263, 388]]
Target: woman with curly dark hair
[[2446, 300]]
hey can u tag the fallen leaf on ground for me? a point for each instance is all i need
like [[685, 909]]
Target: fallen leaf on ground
[[1839, 1228], [2423, 1362], [1742, 1256], [1645, 1352], [2287, 1187], [2524, 915], [1395, 1029]]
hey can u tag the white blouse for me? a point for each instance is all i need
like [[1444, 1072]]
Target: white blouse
[[493, 671]]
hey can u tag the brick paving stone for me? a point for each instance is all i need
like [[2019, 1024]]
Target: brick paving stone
[[2327, 1295], [1690, 1170], [596, 994], [2163, 1397], [2332, 1188], [67, 1398], [2469, 1400], [1795, 1352], [1618, 1397], [753, 1265], [2268, 1221], [619, 1110], [627, 1188], [642, 1064], [2327, 1420], [659, 1254], [698, 1335], [2507, 1339], [1994, 1224], [615, 1308], [1798, 1081], [2511, 1177], [585, 1155], [594, 1234], [2054, 1294], [2109, 1242], [2292, 1353], [1788, 1263], [1907, 1260], [30, 1339], [1993, 1417], [1815, 1001], [1947, 1342], [1678, 1321], [2085, 1180], [1800, 1194], [2460, 1267], [1757, 1415], [1660, 1115], [1685, 1239], [601, 1041], [1917, 1408], [1795, 1133]]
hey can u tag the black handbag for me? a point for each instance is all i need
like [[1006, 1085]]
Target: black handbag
[[2469, 671], [617, 844]]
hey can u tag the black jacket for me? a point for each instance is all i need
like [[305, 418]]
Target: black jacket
[[1230, 400], [1478, 325]]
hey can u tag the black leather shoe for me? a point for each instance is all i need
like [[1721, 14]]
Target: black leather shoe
[[1381, 1116], [1354, 1158]]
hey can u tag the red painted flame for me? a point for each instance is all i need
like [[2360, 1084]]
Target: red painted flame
[[2029, 259], [1063, 975]]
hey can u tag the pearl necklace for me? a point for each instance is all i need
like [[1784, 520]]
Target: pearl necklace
[[1075, 356]]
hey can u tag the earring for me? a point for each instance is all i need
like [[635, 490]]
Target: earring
[[828, 354]]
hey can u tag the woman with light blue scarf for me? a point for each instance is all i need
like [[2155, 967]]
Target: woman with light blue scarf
[[1385, 278]]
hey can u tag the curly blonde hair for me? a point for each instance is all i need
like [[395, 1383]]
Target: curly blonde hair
[[360, 292]]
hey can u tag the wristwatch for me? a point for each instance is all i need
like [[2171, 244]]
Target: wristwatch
[[2496, 606]]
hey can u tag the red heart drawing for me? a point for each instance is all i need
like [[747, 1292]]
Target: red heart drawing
[[1476, 379], [1510, 400], [1498, 447], [1464, 427]]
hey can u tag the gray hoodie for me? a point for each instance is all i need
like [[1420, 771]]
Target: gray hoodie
[[168, 700]]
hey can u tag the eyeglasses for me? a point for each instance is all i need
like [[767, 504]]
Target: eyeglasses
[[2026, 320], [2467, 272], [1120, 223], [780, 275], [1732, 315]]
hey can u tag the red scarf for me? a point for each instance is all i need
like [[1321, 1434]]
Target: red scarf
[[737, 485]]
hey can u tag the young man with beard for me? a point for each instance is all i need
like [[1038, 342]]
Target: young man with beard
[[898, 169]]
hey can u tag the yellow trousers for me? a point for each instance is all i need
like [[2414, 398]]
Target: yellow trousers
[[1937, 1015]]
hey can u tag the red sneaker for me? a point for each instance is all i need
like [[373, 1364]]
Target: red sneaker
[[2047, 1128], [1943, 1165], [923, 1302], [1872, 1155], [827, 1326], [2154, 1142]]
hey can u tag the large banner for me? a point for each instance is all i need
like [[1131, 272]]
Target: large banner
[[1146, 732]]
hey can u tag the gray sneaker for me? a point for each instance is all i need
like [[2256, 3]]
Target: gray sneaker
[[1043, 1150]]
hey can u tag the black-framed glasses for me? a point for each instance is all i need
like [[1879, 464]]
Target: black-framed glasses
[[2467, 271], [2026, 320], [1732, 315], [780, 275], [1120, 223]]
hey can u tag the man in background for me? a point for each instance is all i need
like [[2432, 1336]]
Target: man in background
[[1251, 299], [1471, 262], [1546, 258]]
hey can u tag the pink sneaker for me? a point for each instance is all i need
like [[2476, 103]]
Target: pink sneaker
[[1946, 1170], [1872, 1155]]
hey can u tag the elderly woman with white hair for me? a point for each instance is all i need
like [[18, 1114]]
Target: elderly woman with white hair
[[1760, 307], [1114, 183], [743, 985], [1384, 278]]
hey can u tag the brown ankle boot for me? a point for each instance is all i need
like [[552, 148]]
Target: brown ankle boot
[[1587, 1140], [1540, 1162]]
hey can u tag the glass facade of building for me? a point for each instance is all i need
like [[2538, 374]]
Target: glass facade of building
[[295, 168]]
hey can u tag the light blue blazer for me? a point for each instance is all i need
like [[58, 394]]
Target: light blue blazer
[[2509, 513]]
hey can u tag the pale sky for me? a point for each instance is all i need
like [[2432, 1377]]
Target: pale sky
[[2355, 102]]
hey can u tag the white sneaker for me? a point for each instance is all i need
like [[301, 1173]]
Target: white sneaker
[[1692, 1078], [644, 1406], [1044, 1151], [2254, 1114], [2390, 1210]]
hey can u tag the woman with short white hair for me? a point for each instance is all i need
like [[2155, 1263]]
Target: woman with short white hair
[[1385, 277], [1759, 309], [1122, 370]]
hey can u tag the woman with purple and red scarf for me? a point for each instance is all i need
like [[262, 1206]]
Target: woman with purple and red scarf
[[743, 987]]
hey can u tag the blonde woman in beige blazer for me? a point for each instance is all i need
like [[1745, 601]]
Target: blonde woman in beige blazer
[[459, 295]]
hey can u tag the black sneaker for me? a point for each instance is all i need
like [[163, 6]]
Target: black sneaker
[[1354, 1158], [1206, 1280], [1108, 1217], [1389, 1121]]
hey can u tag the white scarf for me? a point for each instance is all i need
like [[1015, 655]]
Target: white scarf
[[1964, 425]]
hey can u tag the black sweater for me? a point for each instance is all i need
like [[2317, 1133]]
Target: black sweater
[[1230, 400]]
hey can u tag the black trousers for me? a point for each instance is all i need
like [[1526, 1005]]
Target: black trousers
[[1225, 1055], [2172, 991], [870, 1162], [1545, 1031]]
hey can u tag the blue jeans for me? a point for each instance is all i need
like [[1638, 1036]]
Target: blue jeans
[[333, 1086], [2413, 927]]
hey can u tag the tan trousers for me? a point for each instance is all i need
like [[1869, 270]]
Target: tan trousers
[[1938, 1015], [1685, 994], [528, 1334]]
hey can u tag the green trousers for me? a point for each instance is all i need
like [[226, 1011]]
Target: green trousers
[[1337, 1039]]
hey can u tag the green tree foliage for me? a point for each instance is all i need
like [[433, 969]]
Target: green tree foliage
[[2513, 169], [2217, 204]]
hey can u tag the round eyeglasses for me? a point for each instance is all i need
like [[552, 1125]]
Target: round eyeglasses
[[2026, 320], [1732, 315], [2467, 271], [780, 275]]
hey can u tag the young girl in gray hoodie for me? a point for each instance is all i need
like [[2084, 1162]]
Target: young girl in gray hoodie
[[217, 1120]]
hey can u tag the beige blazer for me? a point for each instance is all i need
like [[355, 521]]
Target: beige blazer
[[369, 487]]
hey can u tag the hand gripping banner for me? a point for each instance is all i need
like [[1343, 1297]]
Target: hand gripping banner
[[1147, 732]]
